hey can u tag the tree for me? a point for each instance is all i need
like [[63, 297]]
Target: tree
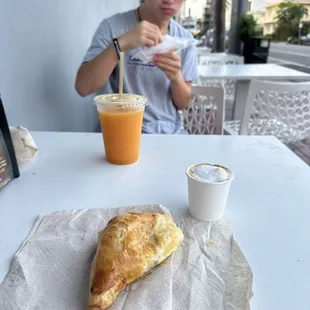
[[289, 15], [291, 12], [305, 28], [219, 23], [248, 27]]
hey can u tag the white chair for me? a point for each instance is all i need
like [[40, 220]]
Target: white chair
[[220, 59], [205, 113], [278, 109]]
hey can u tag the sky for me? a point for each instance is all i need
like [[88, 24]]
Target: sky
[[259, 4]]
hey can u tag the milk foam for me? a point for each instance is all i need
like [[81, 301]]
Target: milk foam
[[210, 173]]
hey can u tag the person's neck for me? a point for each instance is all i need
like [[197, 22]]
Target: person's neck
[[146, 14]]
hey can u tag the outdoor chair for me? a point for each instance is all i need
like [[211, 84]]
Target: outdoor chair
[[220, 59], [278, 109], [205, 113]]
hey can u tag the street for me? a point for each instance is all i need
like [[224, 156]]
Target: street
[[293, 56]]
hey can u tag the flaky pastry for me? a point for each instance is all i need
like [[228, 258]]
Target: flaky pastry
[[128, 248]]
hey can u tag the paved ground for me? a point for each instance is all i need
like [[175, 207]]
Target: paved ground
[[289, 55], [302, 149]]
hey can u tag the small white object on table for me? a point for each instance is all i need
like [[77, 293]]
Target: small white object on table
[[247, 72], [268, 204], [208, 189]]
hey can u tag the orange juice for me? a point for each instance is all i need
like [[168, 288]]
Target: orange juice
[[122, 132], [121, 123]]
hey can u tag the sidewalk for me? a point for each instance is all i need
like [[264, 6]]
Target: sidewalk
[[302, 150]]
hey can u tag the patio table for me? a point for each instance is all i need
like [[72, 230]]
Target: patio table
[[243, 74], [268, 205]]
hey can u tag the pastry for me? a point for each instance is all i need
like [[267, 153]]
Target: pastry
[[128, 248]]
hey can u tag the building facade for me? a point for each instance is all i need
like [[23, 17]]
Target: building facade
[[259, 16], [271, 9], [193, 8]]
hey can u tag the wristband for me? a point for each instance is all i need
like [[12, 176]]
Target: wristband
[[117, 47]]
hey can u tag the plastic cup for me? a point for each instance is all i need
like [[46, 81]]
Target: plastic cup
[[207, 201], [121, 118]]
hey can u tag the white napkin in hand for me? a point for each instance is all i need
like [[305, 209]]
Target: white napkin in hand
[[146, 54], [24, 145]]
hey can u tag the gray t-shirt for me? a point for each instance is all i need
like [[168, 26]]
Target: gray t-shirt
[[161, 115]]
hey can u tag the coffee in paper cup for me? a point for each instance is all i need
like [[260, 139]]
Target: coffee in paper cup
[[208, 189]]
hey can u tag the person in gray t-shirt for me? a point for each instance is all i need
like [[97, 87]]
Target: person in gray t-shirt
[[166, 81]]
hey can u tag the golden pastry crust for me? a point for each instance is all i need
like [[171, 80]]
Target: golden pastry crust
[[129, 247]]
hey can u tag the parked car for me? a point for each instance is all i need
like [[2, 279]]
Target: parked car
[[304, 40], [307, 40]]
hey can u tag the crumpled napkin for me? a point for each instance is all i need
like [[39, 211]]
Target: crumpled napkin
[[24, 145], [51, 269]]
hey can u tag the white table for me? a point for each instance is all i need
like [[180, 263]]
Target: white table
[[247, 72], [251, 72], [269, 203]]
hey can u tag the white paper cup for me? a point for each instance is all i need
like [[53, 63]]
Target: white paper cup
[[207, 201]]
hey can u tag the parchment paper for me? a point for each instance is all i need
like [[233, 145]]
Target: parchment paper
[[51, 269]]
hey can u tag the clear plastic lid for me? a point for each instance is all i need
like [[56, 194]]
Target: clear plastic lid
[[120, 101]]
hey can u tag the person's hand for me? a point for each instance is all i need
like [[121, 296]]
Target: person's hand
[[144, 33], [170, 64]]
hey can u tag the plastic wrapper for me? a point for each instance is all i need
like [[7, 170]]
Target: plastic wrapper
[[176, 44]]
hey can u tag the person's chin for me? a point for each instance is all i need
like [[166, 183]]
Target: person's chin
[[168, 13]]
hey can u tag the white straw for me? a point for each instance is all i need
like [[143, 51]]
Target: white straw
[[121, 73]]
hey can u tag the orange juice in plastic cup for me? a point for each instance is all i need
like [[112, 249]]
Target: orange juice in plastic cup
[[121, 119]]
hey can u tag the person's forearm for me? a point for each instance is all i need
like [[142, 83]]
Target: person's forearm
[[180, 93], [94, 74]]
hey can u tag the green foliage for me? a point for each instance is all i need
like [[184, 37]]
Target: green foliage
[[259, 31], [270, 36], [305, 28], [248, 27], [282, 32], [289, 15]]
